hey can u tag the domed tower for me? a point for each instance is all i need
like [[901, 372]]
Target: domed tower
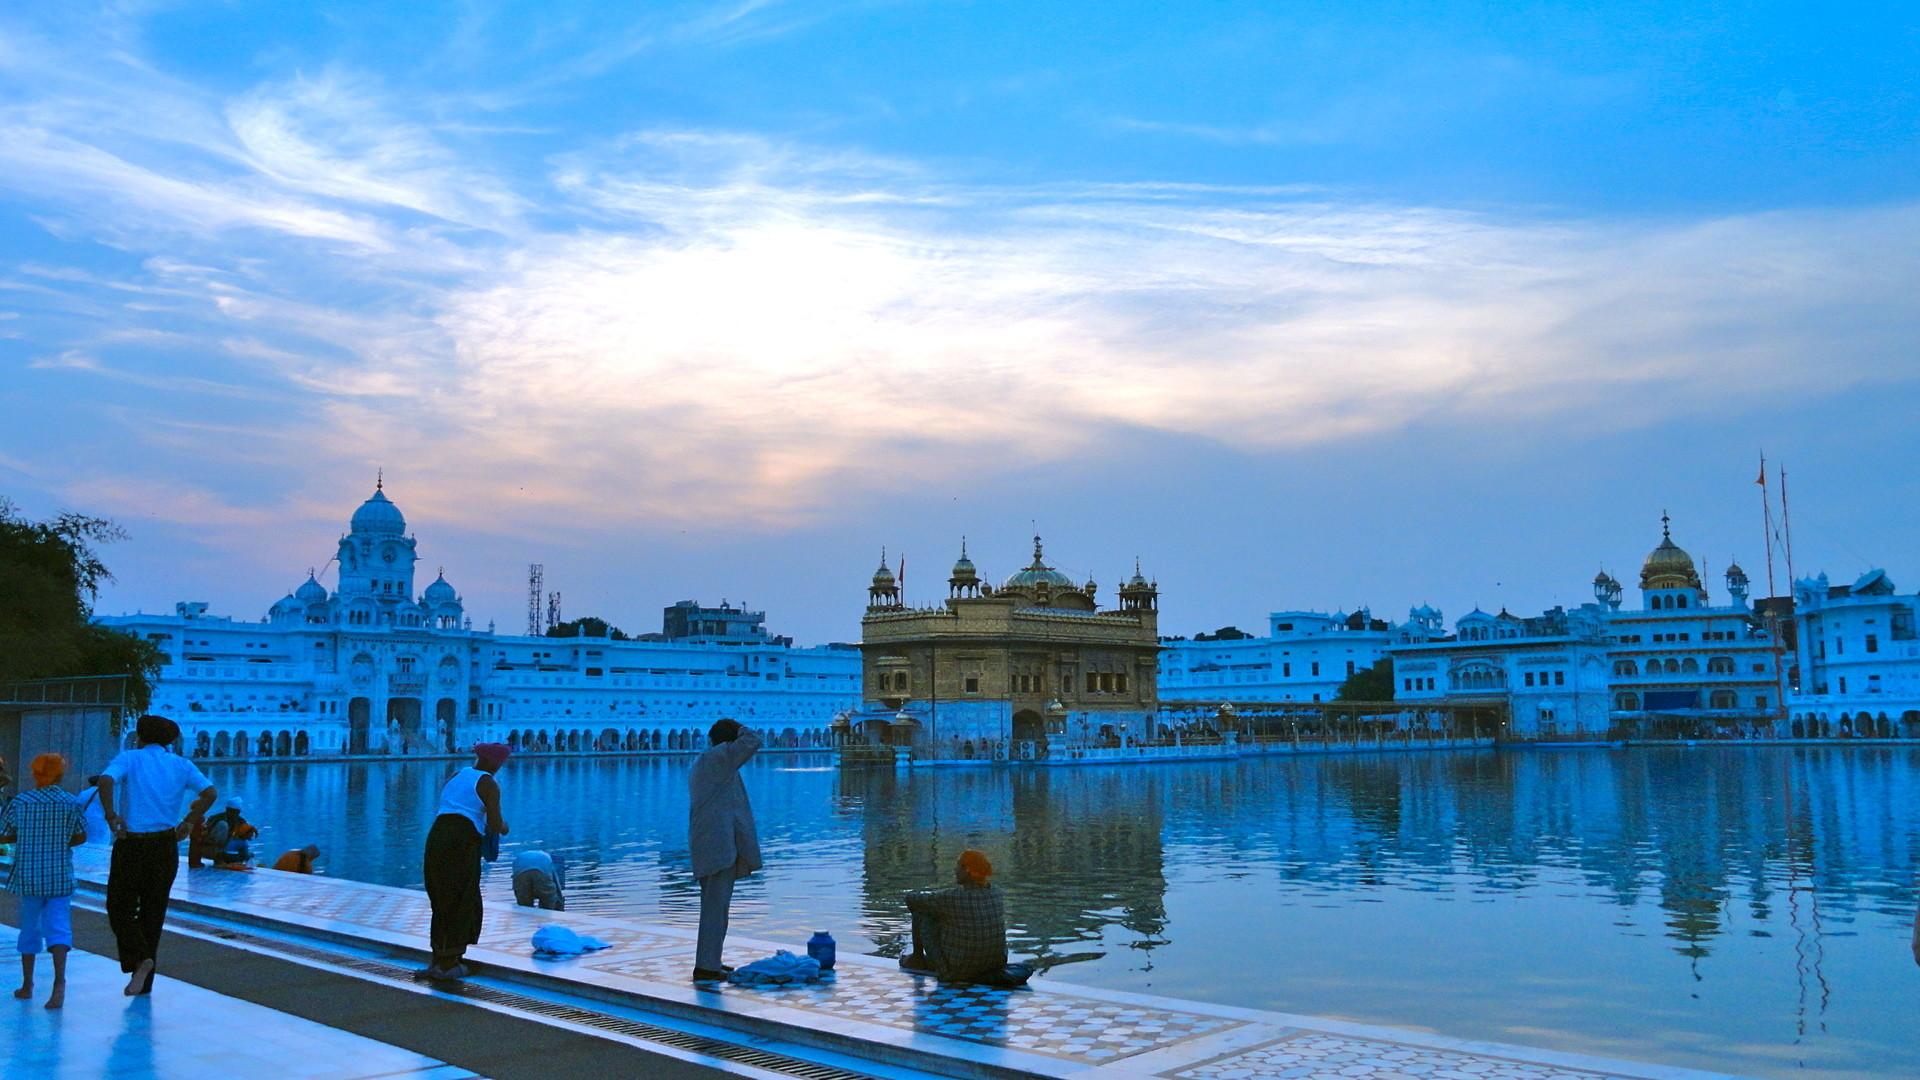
[[1139, 594], [1737, 584], [377, 556], [442, 603], [884, 592], [1668, 579], [1607, 590], [965, 580], [1039, 582]]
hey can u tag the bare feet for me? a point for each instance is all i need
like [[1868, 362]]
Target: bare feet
[[137, 983], [59, 996], [25, 992]]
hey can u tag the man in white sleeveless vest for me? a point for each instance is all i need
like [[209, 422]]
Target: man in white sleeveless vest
[[720, 836]]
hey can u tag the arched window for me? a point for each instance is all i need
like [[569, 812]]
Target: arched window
[[1722, 699], [1690, 666], [1673, 666], [1625, 667], [1683, 599], [1626, 702], [1720, 665]]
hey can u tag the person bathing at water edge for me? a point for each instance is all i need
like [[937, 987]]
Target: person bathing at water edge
[[469, 810]]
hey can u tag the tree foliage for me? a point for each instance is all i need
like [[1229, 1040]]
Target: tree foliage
[[50, 574], [1370, 684], [587, 626]]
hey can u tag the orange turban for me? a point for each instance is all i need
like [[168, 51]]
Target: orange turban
[[974, 865], [47, 769]]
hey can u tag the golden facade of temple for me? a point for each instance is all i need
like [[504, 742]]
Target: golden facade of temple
[[1034, 661]]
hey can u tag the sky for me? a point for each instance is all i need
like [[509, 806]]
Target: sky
[[1304, 306]]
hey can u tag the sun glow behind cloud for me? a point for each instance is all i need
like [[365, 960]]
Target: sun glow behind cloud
[[725, 327]]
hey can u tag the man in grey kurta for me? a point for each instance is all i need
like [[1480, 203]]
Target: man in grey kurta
[[720, 835]]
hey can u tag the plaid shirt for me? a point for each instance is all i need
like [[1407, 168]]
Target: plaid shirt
[[973, 927], [46, 820]]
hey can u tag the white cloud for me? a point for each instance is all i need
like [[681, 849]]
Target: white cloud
[[721, 326]]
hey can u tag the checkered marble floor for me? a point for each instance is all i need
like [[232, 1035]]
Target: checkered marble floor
[[1054, 1023], [1311, 1054], [1049, 1029]]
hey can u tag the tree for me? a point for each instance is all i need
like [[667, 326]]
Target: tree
[[49, 577], [1371, 684], [587, 626]]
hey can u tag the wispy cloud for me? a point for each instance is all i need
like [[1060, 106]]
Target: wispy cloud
[[723, 326]]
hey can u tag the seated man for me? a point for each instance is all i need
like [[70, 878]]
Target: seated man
[[537, 880], [297, 861], [222, 838], [960, 932]]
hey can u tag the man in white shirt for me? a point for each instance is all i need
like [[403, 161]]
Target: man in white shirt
[[140, 793]]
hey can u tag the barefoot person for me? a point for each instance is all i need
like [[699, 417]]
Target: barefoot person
[[44, 824], [140, 793], [469, 808], [721, 837], [960, 932]]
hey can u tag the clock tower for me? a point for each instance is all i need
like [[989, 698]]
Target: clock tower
[[376, 555]]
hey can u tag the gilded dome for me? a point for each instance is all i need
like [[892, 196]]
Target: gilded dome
[[883, 576], [1668, 566], [1039, 572]]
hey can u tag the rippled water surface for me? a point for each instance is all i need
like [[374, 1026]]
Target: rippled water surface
[[1745, 910]]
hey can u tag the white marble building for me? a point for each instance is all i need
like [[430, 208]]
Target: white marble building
[[1858, 658], [372, 667], [1305, 656], [1678, 665]]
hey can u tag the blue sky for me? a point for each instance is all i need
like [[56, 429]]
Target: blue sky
[[1306, 305]]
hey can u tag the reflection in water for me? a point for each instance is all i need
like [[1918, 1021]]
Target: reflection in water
[[1742, 909]]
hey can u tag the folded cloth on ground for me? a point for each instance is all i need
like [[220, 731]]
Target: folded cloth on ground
[[780, 969], [560, 941]]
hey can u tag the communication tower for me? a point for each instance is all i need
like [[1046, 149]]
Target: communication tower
[[553, 609], [536, 582]]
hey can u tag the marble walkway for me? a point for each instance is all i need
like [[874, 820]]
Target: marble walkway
[[873, 1009], [180, 1030]]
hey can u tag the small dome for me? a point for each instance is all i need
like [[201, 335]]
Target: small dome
[[1037, 573], [286, 603], [1668, 566], [883, 576], [379, 515], [440, 592], [963, 568], [311, 591]]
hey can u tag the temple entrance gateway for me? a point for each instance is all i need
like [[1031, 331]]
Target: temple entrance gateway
[[403, 724], [443, 717], [1029, 728], [359, 720]]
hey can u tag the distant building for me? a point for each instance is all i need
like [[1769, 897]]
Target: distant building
[[1029, 666], [372, 667], [1858, 657], [1682, 657], [1680, 665], [1549, 671], [1305, 656], [688, 621]]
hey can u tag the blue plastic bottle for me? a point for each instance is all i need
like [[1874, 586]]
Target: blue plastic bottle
[[820, 946]]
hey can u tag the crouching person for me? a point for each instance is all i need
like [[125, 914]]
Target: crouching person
[[960, 932], [537, 880]]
